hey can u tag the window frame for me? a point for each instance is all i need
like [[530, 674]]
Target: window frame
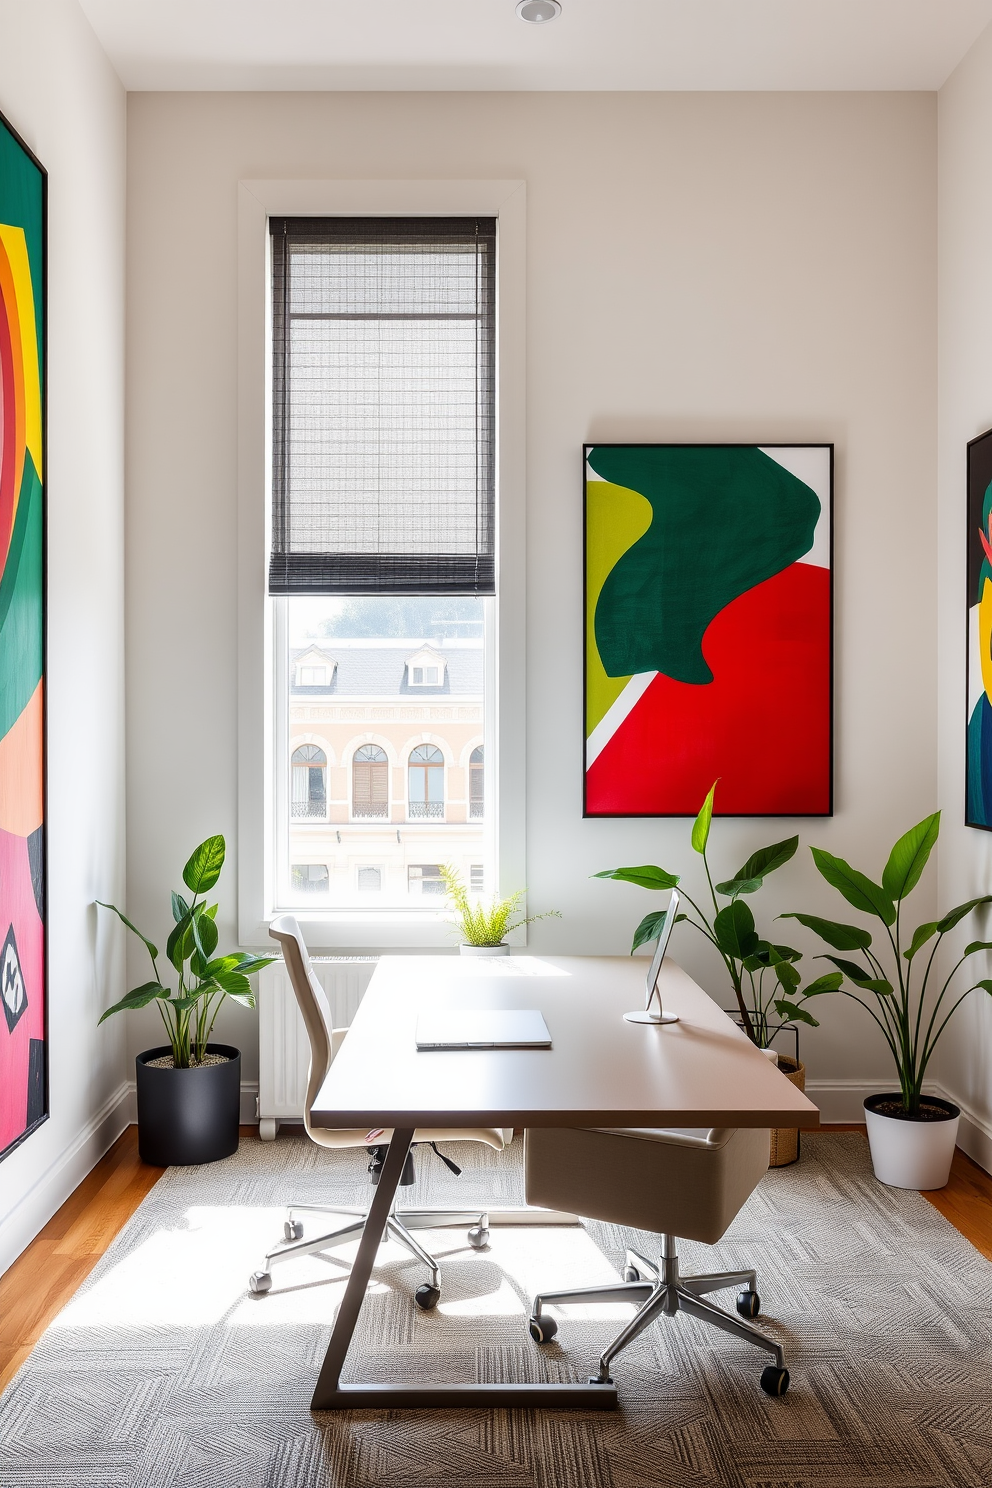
[[400, 928]]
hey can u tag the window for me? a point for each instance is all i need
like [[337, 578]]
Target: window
[[425, 878], [425, 791], [370, 784], [476, 784], [477, 878], [310, 878], [382, 541], [309, 783]]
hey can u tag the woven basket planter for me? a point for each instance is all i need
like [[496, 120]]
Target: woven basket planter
[[785, 1139]]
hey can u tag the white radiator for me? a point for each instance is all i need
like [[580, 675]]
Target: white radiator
[[283, 1046]]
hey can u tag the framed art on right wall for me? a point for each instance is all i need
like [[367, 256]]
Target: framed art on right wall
[[978, 757]]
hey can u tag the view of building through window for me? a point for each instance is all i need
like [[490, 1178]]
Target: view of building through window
[[385, 749]]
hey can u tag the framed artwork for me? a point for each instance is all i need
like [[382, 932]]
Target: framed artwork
[[708, 629], [23, 947], [978, 757]]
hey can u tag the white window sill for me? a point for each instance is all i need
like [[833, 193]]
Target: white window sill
[[374, 929]]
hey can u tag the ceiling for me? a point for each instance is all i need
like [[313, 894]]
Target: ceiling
[[480, 44]]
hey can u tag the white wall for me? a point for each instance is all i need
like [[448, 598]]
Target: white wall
[[700, 266], [60, 94], [965, 409]]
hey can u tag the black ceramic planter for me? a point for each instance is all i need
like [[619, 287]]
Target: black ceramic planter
[[188, 1115]]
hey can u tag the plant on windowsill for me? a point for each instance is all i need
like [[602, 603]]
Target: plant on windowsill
[[763, 974], [912, 1135], [484, 925], [189, 1090]]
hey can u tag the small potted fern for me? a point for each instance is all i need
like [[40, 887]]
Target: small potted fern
[[483, 925]]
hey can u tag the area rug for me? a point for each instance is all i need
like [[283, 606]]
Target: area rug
[[163, 1372]]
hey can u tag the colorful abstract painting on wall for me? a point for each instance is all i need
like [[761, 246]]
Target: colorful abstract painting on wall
[[978, 763], [23, 1079], [708, 651]]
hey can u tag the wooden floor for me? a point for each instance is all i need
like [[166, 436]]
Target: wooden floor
[[41, 1281]]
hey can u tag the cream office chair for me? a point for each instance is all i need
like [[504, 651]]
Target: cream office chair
[[325, 1042], [673, 1182]]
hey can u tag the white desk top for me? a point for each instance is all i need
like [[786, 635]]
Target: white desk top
[[601, 1071]]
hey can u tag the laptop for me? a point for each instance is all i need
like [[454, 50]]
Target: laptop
[[483, 1028]]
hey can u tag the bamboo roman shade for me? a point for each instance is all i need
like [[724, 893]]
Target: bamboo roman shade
[[383, 405]]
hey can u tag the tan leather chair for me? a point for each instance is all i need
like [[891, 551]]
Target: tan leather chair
[[325, 1042], [673, 1182]]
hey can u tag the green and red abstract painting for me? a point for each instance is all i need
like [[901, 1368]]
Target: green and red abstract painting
[[23, 1092], [978, 761], [708, 646]]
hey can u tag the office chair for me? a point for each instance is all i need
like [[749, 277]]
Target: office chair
[[673, 1182], [325, 1042]]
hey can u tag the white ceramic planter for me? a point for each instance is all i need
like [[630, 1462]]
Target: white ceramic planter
[[912, 1154], [497, 950]]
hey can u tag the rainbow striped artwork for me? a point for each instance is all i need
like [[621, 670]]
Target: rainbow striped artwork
[[978, 758], [23, 1022], [708, 629]]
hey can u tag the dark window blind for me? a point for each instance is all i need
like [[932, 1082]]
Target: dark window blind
[[384, 422]]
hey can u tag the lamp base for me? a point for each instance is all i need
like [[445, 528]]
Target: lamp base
[[642, 1017]]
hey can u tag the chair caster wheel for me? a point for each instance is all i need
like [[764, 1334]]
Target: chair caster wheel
[[631, 1273], [774, 1381], [427, 1296], [597, 1379], [259, 1282], [542, 1328], [478, 1237], [748, 1304], [293, 1229]]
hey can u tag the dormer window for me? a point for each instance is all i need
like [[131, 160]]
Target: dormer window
[[314, 668], [311, 676], [425, 668]]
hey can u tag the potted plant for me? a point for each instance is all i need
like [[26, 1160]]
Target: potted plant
[[912, 1135], [483, 925], [763, 974], [189, 1090]]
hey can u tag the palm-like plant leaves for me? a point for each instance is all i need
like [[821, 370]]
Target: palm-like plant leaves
[[908, 858], [646, 877], [139, 997], [856, 888], [767, 859], [203, 869], [841, 937], [701, 826]]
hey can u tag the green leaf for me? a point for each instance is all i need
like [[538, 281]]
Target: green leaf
[[179, 906], [222, 963], [184, 1004], [234, 983], [647, 877], [829, 982], [921, 935], [978, 945], [179, 946], [649, 929], [152, 950], [248, 962], [246, 999], [138, 997], [767, 859], [908, 858], [856, 888], [731, 887], [985, 985], [859, 977], [788, 975], [734, 931], [790, 1013], [197, 965], [203, 869], [954, 916], [841, 937], [701, 826], [207, 932]]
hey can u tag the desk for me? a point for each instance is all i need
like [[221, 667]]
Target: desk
[[600, 1072]]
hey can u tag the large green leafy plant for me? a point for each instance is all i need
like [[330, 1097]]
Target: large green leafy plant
[[763, 974], [204, 980], [483, 923], [911, 1021]]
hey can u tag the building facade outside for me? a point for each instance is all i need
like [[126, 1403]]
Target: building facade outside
[[386, 768]]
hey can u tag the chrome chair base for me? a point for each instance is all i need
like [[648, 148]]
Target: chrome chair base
[[399, 1225], [662, 1291]]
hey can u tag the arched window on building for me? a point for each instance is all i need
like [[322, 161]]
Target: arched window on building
[[309, 783], [370, 783], [426, 783], [476, 784]]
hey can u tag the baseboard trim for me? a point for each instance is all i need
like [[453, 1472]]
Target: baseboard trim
[[64, 1174], [843, 1101]]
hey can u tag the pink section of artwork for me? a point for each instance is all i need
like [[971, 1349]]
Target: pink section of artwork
[[19, 912]]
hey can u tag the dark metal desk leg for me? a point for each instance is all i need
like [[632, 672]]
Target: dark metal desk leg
[[354, 1293]]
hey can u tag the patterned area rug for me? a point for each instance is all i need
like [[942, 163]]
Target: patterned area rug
[[163, 1370]]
